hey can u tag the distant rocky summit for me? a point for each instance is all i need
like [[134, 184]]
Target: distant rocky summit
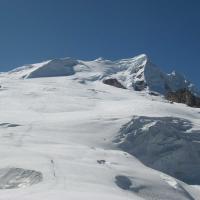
[[184, 96]]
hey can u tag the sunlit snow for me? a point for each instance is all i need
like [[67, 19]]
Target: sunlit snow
[[61, 127]]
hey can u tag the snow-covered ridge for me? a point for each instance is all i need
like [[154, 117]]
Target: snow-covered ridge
[[137, 73]]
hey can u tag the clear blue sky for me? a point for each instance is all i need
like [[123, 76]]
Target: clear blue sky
[[167, 30]]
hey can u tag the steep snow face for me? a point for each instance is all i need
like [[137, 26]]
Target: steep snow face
[[137, 73], [57, 67], [24, 71], [155, 79], [51, 68], [132, 74]]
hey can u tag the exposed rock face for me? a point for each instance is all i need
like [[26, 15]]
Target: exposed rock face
[[184, 96], [164, 143], [113, 82]]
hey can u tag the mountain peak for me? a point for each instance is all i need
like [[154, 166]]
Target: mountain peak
[[136, 73], [142, 56]]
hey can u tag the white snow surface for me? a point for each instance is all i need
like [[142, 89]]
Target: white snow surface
[[61, 126]]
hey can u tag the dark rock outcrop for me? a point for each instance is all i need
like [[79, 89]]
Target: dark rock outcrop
[[139, 85], [113, 82], [184, 96]]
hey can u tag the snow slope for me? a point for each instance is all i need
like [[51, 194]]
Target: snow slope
[[167, 144], [62, 126]]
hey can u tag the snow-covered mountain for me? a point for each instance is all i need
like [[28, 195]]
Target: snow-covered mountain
[[137, 73], [64, 134]]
